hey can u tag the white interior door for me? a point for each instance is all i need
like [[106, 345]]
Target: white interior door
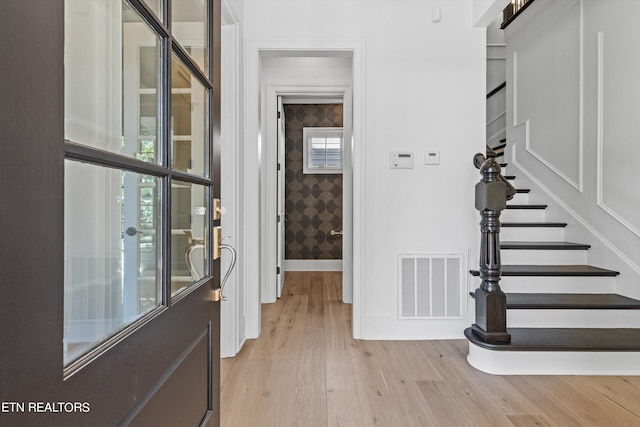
[[281, 200]]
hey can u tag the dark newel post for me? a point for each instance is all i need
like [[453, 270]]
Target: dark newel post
[[492, 193]]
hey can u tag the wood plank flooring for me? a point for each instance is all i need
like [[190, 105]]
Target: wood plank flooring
[[305, 370]]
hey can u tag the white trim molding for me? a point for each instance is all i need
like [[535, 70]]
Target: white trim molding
[[228, 15], [232, 312], [268, 212], [579, 185], [600, 144], [313, 265]]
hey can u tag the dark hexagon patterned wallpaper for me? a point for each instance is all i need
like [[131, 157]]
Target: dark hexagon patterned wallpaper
[[313, 201]]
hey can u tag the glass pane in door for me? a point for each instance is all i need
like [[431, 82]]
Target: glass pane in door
[[188, 25], [188, 121], [111, 253], [111, 96], [188, 234], [156, 7]]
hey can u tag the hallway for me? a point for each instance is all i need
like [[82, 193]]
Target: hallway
[[305, 370]]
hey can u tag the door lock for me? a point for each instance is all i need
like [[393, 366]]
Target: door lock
[[217, 209]]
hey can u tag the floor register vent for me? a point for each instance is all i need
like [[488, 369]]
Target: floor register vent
[[430, 286]]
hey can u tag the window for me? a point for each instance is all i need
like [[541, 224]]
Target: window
[[322, 150]]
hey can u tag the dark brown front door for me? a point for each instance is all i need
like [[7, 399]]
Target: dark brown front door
[[109, 120]]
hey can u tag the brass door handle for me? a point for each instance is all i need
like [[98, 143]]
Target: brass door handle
[[336, 232]]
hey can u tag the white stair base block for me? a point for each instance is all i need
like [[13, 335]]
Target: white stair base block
[[553, 362], [522, 215], [557, 284], [573, 318], [538, 256], [532, 234]]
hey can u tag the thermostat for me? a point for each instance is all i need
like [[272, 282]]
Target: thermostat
[[401, 160]]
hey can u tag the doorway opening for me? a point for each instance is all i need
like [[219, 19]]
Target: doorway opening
[[310, 184], [291, 68], [273, 233]]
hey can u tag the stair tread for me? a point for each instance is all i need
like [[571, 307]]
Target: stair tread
[[570, 301], [554, 270], [534, 224], [565, 339], [544, 245], [510, 206]]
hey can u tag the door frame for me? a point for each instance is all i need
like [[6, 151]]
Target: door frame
[[254, 163], [311, 94], [280, 195], [232, 311]]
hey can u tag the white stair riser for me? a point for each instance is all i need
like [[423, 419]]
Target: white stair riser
[[531, 234], [572, 318], [520, 199], [554, 362], [532, 257], [522, 215], [564, 285]]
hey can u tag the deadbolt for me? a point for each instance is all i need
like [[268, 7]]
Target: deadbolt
[[217, 209]]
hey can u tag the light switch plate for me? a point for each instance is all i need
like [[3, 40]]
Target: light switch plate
[[432, 157]]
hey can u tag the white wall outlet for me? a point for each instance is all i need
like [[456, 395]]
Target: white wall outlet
[[436, 15]]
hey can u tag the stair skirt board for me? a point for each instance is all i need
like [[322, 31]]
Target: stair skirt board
[[537, 256], [548, 285], [573, 318], [554, 362]]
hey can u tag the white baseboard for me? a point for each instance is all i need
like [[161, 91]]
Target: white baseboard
[[312, 265], [554, 362]]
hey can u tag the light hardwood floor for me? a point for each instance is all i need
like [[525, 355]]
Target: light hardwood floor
[[305, 370]]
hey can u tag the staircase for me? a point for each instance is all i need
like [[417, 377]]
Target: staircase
[[563, 315]]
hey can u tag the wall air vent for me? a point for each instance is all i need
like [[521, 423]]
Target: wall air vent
[[430, 286]]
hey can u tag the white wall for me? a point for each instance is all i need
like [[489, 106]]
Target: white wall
[[496, 75], [573, 98], [485, 11], [423, 87]]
